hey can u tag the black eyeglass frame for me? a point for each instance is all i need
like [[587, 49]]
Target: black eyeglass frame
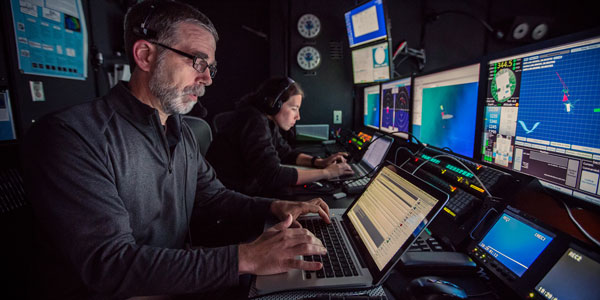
[[198, 63]]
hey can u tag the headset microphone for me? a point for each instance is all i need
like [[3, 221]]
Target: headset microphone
[[201, 111]]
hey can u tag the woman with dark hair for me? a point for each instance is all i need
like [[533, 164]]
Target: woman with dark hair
[[248, 154]]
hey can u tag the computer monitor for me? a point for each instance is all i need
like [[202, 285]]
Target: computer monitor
[[542, 116], [366, 23], [395, 106], [514, 243], [371, 63], [371, 105], [574, 276], [445, 109]]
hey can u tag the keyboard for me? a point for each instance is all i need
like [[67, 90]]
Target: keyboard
[[337, 262], [425, 243], [334, 148], [466, 193], [353, 187]]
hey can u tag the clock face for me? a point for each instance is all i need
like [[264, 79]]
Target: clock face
[[309, 26], [308, 58]]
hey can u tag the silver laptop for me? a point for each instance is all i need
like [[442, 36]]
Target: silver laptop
[[372, 158], [373, 233]]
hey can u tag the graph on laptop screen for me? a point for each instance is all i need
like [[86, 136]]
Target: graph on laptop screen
[[387, 213], [366, 23], [445, 109], [371, 63], [542, 116], [371, 106], [395, 105]]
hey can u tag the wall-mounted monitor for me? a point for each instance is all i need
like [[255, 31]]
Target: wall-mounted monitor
[[371, 63], [395, 106], [366, 23], [371, 106], [445, 109], [542, 116]]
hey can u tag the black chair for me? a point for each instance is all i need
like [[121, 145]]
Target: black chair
[[201, 130], [221, 120]]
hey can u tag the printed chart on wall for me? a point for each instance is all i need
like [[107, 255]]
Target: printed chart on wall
[[51, 37]]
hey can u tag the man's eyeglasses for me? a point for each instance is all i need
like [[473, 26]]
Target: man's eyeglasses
[[199, 63]]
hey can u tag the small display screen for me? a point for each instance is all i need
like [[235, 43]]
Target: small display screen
[[514, 243], [574, 276]]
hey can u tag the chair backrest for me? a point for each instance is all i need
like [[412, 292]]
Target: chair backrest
[[221, 119], [201, 130]]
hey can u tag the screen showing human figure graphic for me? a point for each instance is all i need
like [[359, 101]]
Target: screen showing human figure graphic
[[542, 116], [395, 105], [445, 109]]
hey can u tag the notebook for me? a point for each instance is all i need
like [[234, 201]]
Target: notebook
[[372, 158], [376, 229]]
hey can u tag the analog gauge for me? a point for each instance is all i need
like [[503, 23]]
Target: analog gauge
[[309, 26], [308, 58]]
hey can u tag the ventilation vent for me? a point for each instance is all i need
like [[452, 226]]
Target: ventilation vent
[[336, 51]]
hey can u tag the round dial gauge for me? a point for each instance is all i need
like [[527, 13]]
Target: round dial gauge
[[309, 26], [308, 58]]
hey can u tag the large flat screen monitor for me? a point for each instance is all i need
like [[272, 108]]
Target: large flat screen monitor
[[371, 105], [395, 106], [366, 23], [371, 63], [445, 109], [542, 116]]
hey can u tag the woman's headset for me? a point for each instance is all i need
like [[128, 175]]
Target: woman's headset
[[273, 105]]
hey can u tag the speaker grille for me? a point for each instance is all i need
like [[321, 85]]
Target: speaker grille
[[336, 51]]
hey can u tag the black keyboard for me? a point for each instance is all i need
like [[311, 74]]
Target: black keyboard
[[466, 193], [425, 243], [353, 187], [337, 262], [334, 148]]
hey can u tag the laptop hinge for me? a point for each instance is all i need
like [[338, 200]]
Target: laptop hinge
[[351, 235]]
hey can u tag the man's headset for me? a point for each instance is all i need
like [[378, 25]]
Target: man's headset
[[143, 30], [273, 105]]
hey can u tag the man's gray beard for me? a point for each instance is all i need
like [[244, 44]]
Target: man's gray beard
[[170, 98]]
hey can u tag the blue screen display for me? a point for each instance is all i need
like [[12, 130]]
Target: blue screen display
[[366, 23], [448, 118], [371, 104], [514, 243]]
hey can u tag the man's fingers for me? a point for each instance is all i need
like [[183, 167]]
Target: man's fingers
[[303, 265], [283, 224]]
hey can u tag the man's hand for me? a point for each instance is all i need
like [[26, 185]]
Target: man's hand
[[336, 170], [281, 209], [339, 157], [275, 250]]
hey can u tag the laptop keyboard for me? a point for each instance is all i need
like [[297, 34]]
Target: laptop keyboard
[[337, 262]]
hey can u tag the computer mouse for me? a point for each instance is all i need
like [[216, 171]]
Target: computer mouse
[[435, 288], [313, 185]]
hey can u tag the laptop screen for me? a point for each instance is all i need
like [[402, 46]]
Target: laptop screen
[[392, 211], [376, 151]]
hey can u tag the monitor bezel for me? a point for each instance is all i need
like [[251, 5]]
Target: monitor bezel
[[410, 105], [386, 21], [480, 126], [390, 62], [378, 84], [478, 110]]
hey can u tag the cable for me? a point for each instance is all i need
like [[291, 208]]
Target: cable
[[462, 164], [398, 150], [579, 225]]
